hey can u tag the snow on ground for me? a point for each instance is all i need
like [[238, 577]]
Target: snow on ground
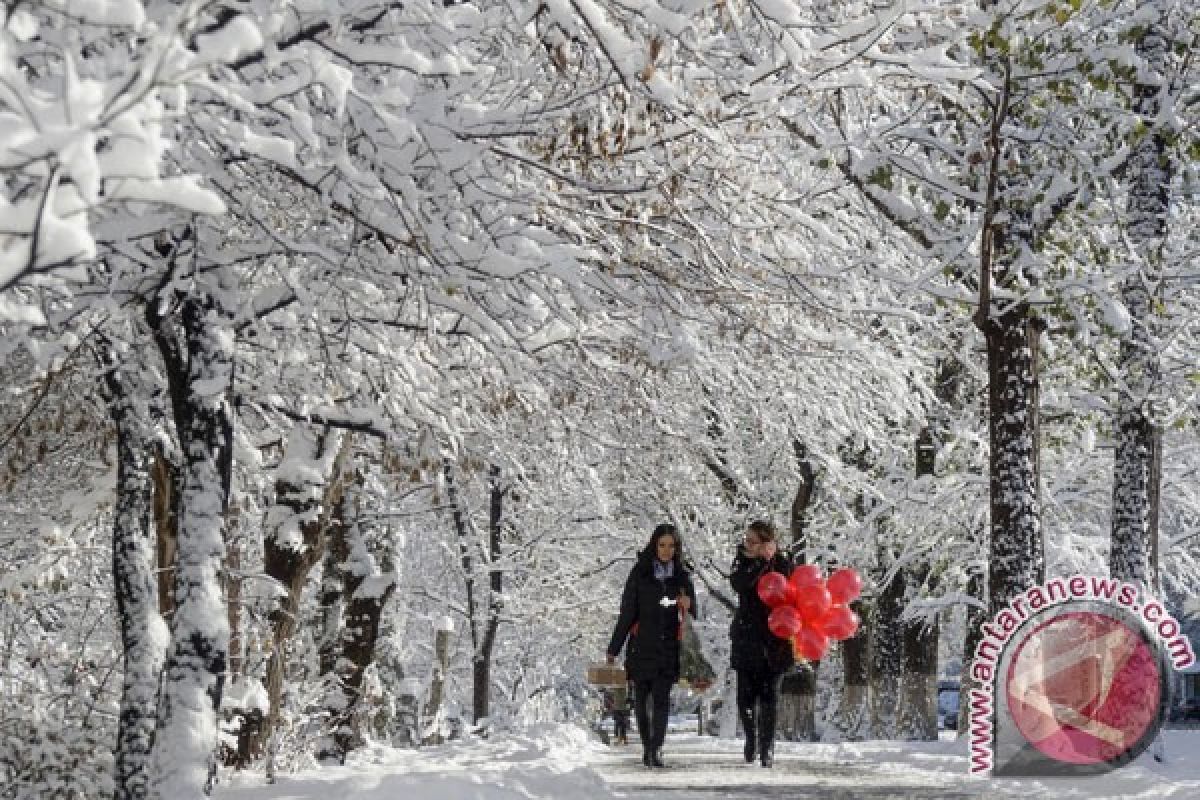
[[564, 761]]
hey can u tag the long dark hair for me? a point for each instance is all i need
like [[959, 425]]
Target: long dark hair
[[649, 552]]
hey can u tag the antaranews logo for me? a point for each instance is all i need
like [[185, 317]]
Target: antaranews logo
[[1073, 679]]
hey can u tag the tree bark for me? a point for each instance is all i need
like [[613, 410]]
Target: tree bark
[[482, 671], [143, 633], [166, 477], [918, 720], [885, 659], [294, 543], [366, 592], [976, 617], [1016, 556], [1016, 551], [798, 691], [432, 726], [199, 367], [1138, 439], [853, 717]]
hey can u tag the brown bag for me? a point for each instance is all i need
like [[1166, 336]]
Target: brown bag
[[605, 675]]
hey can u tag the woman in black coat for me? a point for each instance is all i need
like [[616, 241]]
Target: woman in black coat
[[657, 592], [758, 656]]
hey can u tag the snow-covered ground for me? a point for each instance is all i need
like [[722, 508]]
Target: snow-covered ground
[[565, 762]]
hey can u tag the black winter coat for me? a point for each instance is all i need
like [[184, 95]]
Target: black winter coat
[[652, 628], [754, 647]]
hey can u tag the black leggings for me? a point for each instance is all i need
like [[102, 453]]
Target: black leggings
[[651, 704], [758, 687]]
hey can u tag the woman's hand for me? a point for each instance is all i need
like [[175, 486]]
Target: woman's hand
[[684, 601]]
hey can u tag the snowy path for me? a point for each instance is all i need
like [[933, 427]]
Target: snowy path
[[705, 768], [557, 762]]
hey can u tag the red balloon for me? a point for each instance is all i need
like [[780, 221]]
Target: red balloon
[[805, 575], [784, 622], [845, 585], [812, 602], [810, 645], [839, 623], [772, 589]]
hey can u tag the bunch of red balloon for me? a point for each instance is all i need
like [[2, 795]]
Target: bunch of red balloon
[[809, 609]]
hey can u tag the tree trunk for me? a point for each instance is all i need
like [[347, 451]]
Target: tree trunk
[[1016, 557], [798, 692], [798, 704], [293, 544], [200, 374], [467, 551], [432, 728], [142, 629], [167, 479], [885, 658], [233, 591], [482, 671], [367, 591], [918, 719], [1016, 551], [1139, 367], [976, 616], [853, 715]]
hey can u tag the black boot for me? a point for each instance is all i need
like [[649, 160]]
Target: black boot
[[766, 734], [656, 758], [747, 717], [642, 716]]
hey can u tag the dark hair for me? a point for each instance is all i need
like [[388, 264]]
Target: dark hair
[[663, 529], [763, 528]]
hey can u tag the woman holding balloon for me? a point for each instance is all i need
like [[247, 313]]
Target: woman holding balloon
[[758, 656], [794, 610]]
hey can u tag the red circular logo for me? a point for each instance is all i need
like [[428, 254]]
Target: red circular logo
[[1084, 688]]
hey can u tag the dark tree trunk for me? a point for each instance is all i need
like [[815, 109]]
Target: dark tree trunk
[[853, 715], [466, 550], [167, 479], [917, 719], [366, 592], [1016, 557], [1138, 439], [1016, 551], [431, 728], [885, 658], [919, 668], [142, 628], [482, 676], [294, 543], [233, 591], [199, 368], [976, 616], [798, 691]]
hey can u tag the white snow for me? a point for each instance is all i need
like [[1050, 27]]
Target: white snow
[[564, 761]]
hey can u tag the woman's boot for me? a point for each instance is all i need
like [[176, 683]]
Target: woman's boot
[[747, 717], [766, 734]]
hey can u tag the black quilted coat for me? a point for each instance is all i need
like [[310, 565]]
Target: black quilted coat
[[753, 645], [651, 627]]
